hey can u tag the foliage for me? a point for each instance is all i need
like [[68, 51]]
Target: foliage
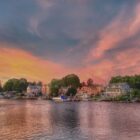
[[71, 91], [82, 84], [69, 80], [133, 81], [18, 85], [1, 89], [96, 97], [32, 83], [90, 82], [135, 93], [122, 98], [39, 83], [54, 87]]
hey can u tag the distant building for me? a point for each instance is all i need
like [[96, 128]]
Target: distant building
[[45, 89], [91, 90], [117, 89], [33, 90]]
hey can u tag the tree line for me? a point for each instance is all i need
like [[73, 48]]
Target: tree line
[[133, 81], [72, 81], [17, 85]]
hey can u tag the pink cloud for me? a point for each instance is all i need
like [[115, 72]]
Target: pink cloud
[[117, 31], [18, 63]]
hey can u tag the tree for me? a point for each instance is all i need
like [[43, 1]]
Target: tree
[[116, 79], [54, 87], [90, 82], [8, 86], [23, 84], [133, 81], [71, 91], [39, 83], [18, 85], [32, 83], [71, 80], [82, 84], [1, 89]]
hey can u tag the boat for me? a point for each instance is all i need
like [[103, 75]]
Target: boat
[[61, 99]]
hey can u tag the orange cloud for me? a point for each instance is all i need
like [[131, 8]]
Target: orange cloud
[[19, 63]]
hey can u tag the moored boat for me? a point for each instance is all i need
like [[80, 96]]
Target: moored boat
[[61, 99]]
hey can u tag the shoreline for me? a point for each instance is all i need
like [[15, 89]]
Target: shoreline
[[31, 99]]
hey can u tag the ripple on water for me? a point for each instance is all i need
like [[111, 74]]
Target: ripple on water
[[44, 120]]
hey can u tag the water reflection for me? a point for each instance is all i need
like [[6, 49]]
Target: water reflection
[[66, 121], [25, 120], [96, 121], [43, 120]]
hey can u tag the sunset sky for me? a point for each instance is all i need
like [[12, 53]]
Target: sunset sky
[[46, 39]]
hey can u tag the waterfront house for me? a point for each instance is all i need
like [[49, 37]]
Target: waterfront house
[[91, 90], [34, 90], [45, 89], [117, 89]]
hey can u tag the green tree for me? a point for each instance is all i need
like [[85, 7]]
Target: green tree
[[133, 81], [1, 89], [18, 85], [116, 79], [32, 83], [54, 87], [71, 80], [39, 83], [8, 86], [71, 91], [23, 83]]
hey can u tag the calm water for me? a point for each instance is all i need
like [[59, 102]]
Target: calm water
[[44, 120]]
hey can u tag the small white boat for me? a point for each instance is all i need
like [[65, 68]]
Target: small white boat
[[60, 99]]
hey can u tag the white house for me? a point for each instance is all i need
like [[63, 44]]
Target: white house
[[117, 89], [33, 90]]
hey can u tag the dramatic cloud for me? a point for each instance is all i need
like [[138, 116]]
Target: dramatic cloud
[[123, 27], [45, 39]]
